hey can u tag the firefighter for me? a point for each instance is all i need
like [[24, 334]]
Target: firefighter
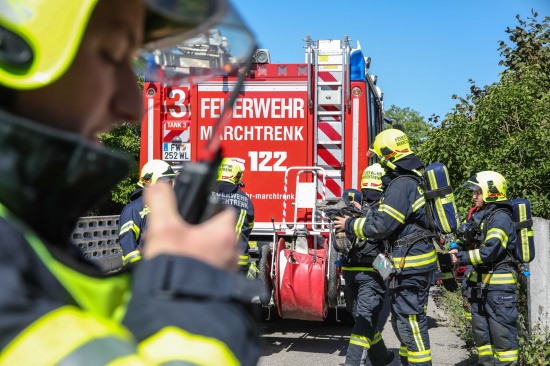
[[401, 219], [492, 282], [228, 189], [133, 219], [63, 80], [365, 290]]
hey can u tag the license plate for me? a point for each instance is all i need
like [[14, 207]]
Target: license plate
[[173, 151]]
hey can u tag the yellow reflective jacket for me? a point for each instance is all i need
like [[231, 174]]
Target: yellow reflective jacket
[[58, 309]]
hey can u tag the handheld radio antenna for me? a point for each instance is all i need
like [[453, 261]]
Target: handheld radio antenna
[[195, 182]]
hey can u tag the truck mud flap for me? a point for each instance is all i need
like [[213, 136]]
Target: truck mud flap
[[301, 286]]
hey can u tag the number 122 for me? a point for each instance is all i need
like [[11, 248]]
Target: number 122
[[265, 158]]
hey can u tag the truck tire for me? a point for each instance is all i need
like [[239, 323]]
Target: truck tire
[[264, 268], [333, 285]]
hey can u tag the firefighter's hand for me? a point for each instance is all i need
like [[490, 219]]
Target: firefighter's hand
[[340, 223], [213, 242], [355, 204], [453, 253]]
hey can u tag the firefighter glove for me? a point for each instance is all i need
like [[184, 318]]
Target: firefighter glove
[[342, 244], [447, 273], [252, 271]]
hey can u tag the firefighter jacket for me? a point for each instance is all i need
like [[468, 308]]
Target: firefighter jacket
[[400, 219], [491, 259], [364, 251], [231, 195], [57, 308], [131, 227]]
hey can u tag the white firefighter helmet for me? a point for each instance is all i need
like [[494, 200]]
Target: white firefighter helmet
[[372, 177], [155, 170]]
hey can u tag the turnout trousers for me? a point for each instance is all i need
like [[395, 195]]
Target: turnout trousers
[[494, 326], [364, 294], [409, 299]]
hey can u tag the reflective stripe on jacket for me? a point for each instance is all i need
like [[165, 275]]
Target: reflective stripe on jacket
[[57, 310]]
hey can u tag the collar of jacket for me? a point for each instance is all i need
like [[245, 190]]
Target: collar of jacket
[[49, 178], [481, 214], [137, 193], [226, 187], [393, 174], [371, 196], [410, 162]]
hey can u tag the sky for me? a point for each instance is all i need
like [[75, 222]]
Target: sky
[[423, 51]]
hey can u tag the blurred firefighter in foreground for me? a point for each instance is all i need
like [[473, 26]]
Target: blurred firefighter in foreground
[[493, 279], [133, 218], [63, 80], [228, 189], [365, 288], [401, 219]]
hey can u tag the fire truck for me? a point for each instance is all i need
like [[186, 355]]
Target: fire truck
[[303, 131]]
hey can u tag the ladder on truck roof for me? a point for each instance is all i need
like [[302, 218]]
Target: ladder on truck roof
[[329, 97]]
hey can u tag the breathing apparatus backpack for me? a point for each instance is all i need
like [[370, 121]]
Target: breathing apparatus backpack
[[438, 194], [440, 199], [523, 250], [442, 216]]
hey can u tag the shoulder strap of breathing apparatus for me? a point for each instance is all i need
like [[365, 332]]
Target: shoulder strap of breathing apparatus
[[425, 233], [510, 254]]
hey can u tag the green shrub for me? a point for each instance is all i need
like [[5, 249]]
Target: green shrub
[[534, 348]]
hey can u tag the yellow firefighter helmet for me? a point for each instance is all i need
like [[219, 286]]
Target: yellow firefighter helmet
[[491, 184], [391, 145], [231, 170], [38, 45], [372, 177]]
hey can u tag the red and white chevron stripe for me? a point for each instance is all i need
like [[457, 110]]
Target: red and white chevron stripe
[[329, 135], [168, 135]]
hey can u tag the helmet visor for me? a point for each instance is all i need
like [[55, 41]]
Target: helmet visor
[[471, 186], [167, 179], [472, 183], [371, 153], [192, 40]]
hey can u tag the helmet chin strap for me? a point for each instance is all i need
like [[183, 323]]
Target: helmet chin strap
[[385, 162]]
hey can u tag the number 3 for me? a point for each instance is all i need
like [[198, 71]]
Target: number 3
[[180, 95]]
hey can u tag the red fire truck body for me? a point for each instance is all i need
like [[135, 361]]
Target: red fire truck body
[[303, 131]]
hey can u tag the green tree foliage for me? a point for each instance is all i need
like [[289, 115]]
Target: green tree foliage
[[413, 124], [532, 41], [125, 138], [505, 126]]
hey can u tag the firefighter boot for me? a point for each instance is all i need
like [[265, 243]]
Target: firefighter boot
[[379, 355]]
